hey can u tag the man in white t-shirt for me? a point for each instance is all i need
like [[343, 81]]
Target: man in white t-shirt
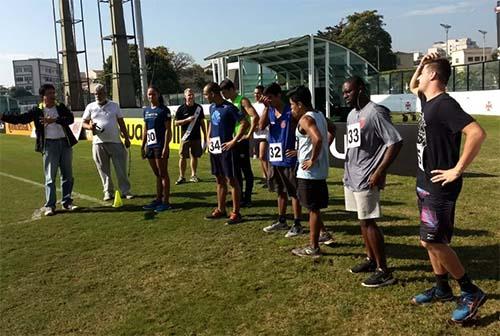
[[260, 136], [104, 118]]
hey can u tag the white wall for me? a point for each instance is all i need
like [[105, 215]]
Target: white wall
[[473, 102]]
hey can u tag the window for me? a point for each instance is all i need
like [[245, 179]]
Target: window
[[19, 69], [457, 60], [28, 79], [27, 68], [470, 59], [476, 58], [19, 79]]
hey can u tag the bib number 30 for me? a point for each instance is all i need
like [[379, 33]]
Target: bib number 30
[[275, 152], [151, 137], [215, 146]]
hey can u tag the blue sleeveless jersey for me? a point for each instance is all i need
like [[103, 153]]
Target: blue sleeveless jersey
[[281, 131]]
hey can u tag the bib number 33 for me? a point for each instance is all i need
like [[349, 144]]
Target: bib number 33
[[353, 135]]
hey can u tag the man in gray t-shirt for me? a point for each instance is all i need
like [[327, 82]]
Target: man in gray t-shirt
[[372, 145]]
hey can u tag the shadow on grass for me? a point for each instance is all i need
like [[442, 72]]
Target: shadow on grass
[[488, 319], [476, 175]]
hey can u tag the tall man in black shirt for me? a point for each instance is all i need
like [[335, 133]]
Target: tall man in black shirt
[[439, 181], [191, 119]]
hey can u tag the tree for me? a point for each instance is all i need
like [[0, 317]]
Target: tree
[[16, 92], [363, 33], [181, 61], [159, 66], [194, 77]]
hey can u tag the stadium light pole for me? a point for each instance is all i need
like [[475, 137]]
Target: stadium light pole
[[446, 28], [484, 42]]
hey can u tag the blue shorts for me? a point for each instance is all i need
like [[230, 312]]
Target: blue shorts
[[437, 217], [224, 164]]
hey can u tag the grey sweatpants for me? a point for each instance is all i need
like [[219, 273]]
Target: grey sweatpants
[[102, 154]]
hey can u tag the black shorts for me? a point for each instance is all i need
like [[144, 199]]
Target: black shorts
[[154, 153], [224, 164], [312, 194], [243, 149], [190, 148], [283, 180], [437, 217]]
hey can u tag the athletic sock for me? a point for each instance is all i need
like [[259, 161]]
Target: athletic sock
[[282, 219], [296, 222], [466, 284], [442, 283]]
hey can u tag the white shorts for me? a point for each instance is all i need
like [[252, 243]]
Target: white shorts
[[366, 203]]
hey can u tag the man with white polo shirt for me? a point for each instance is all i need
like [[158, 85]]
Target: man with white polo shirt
[[104, 118], [372, 145]]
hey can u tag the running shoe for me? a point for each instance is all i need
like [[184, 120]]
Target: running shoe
[[294, 231], [216, 214], [234, 218], [325, 238], [69, 206], [194, 179], [49, 211], [366, 266], [128, 196], [163, 207], [277, 226], [431, 295], [307, 251], [107, 197], [180, 180], [467, 306], [378, 279], [152, 205]]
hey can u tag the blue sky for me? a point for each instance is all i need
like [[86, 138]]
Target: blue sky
[[202, 27]]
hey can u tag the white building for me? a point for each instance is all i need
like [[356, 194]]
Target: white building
[[93, 76], [34, 72], [471, 55]]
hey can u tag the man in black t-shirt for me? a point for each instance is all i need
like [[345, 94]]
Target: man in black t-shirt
[[439, 181], [191, 119]]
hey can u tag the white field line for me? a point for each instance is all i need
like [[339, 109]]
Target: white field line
[[37, 214]]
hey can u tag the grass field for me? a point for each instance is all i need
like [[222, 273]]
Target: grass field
[[107, 271]]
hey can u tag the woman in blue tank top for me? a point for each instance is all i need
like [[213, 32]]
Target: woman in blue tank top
[[155, 147]]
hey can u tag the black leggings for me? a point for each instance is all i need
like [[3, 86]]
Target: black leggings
[[244, 168]]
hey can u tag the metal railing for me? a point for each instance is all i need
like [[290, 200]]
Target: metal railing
[[467, 77]]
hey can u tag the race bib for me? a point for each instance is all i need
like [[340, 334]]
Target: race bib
[[151, 137], [353, 135], [420, 156], [275, 152], [215, 146]]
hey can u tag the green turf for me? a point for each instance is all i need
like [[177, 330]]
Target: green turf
[[106, 271]]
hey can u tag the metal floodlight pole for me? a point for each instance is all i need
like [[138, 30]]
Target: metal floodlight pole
[[140, 50], [484, 32], [446, 28]]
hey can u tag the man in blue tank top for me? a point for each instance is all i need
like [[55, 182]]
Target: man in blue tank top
[[282, 157]]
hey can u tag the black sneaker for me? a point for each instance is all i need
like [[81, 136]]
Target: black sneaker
[[180, 180], [366, 266], [378, 279]]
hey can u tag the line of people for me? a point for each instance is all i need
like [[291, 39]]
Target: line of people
[[294, 154]]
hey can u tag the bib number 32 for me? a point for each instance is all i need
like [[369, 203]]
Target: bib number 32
[[275, 152]]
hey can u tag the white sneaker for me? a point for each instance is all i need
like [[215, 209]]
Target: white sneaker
[[276, 227], [294, 231], [107, 197], [70, 207], [325, 238], [48, 211], [128, 196]]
